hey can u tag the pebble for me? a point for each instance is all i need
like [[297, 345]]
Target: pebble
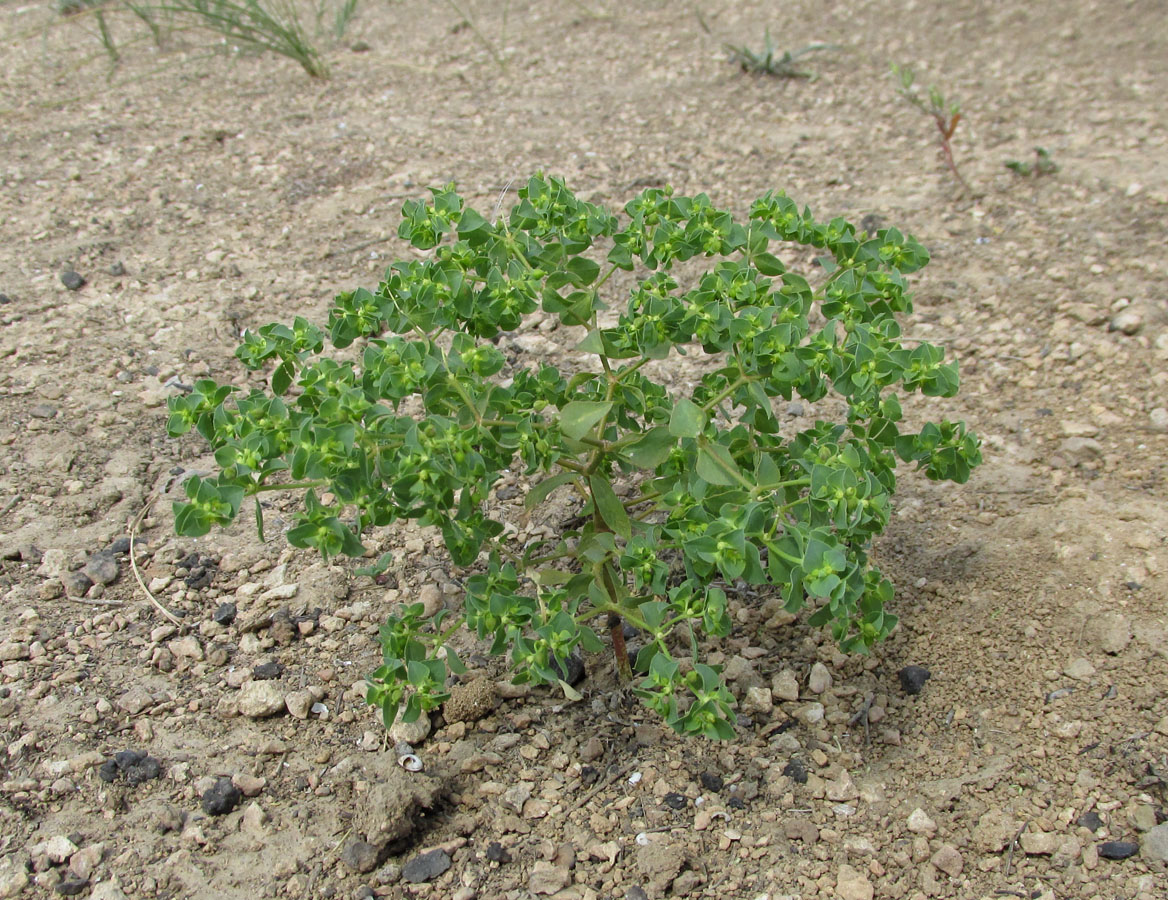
[[546, 878], [249, 785], [471, 701], [1090, 820], [820, 679], [72, 280], [1118, 849], [1110, 630], [843, 789], [260, 699], [71, 886], [221, 798], [135, 700], [102, 568], [360, 856], [299, 704], [410, 732], [851, 884], [224, 614], [135, 766], [426, 866], [1039, 843], [1080, 669], [919, 822], [913, 678], [432, 600], [947, 859], [572, 671], [1128, 321], [267, 671], [85, 861], [56, 849], [758, 701], [1154, 844], [13, 878], [785, 686], [1158, 418], [76, 583]]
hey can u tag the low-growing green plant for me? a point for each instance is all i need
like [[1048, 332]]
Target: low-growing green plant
[[770, 62], [946, 114], [677, 496], [1043, 164]]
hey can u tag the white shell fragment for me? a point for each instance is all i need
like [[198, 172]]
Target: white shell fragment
[[410, 762], [635, 778]]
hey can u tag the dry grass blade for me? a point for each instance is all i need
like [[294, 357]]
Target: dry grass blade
[[134, 562]]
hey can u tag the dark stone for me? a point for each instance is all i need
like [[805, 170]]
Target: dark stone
[[121, 545], [42, 411], [221, 798], [102, 568], [145, 770], [5, 299], [1090, 820], [224, 614], [675, 800], [572, 671], [588, 775], [1118, 849], [737, 803], [359, 855], [127, 758], [636, 892], [117, 269], [71, 886], [200, 577], [796, 770], [711, 781], [267, 671], [507, 492], [76, 583], [72, 280], [108, 771], [496, 852], [913, 678], [283, 630], [426, 867]]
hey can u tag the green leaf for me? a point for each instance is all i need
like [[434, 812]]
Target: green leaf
[[593, 343], [378, 568], [609, 506], [570, 692], [578, 416], [652, 449], [687, 419], [543, 490], [717, 466], [583, 270]]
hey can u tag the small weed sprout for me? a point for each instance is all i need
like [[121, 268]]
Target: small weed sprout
[[946, 114], [1043, 165], [768, 62], [677, 498]]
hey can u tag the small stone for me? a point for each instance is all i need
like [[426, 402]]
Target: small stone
[[13, 877], [411, 733], [1158, 418], [843, 790], [221, 798], [1128, 321], [913, 678], [851, 884], [712, 782], [145, 769], [757, 701], [1038, 843], [299, 704], [1080, 669], [56, 849], [592, 749], [1154, 843], [267, 671], [785, 686], [1118, 849], [360, 856], [1090, 820], [260, 699], [572, 670], [426, 866], [102, 568], [796, 770], [76, 583], [249, 785], [255, 819], [224, 614], [85, 861], [390, 873], [919, 822], [497, 853], [432, 600], [995, 829], [117, 269], [636, 892], [135, 700], [947, 859], [108, 890], [71, 886], [820, 679], [517, 795], [72, 280], [546, 878], [187, 647]]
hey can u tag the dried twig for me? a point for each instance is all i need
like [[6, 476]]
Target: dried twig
[[1014, 844], [134, 563]]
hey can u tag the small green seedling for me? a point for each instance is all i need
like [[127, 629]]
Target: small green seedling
[[769, 63], [677, 498], [1042, 165], [945, 114]]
